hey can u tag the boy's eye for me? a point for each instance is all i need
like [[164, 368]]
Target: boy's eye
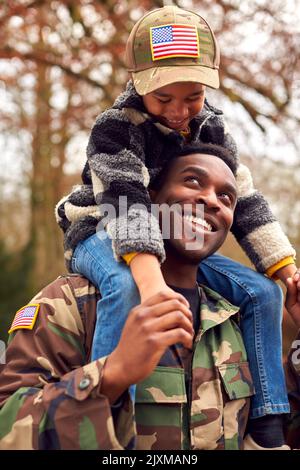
[[196, 97], [163, 100]]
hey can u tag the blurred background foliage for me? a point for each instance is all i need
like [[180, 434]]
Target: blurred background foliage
[[61, 64]]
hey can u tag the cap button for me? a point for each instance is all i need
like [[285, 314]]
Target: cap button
[[84, 383]]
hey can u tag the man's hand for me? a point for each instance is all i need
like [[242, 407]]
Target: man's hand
[[292, 302], [150, 329]]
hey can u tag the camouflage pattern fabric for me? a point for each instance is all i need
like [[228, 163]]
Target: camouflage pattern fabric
[[50, 392], [49, 389], [142, 46], [292, 372], [213, 413]]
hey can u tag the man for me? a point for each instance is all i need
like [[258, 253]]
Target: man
[[193, 378], [292, 366]]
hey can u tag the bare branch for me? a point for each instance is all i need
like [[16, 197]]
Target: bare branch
[[251, 110], [251, 83], [8, 53]]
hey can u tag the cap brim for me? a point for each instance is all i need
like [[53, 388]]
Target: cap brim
[[149, 80]]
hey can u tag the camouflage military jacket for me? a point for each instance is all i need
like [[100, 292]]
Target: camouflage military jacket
[[50, 392], [292, 373]]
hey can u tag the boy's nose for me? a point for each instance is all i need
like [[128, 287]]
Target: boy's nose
[[179, 112]]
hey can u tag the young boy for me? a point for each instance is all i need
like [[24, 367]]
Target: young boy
[[172, 55]]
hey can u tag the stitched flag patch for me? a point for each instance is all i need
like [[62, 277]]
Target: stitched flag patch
[[174, 40], [25, 317]]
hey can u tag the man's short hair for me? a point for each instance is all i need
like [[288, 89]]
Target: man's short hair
[[189, 149]]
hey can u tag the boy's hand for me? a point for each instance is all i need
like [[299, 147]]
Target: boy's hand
[[162, 289], [286, 272], [150, 329], [292, 302], [147, 274]]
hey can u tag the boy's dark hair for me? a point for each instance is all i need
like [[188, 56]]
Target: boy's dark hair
[[189, 149]]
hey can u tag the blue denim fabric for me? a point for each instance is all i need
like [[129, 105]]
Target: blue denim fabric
[[95, 260], [259, 298], [260, 302]]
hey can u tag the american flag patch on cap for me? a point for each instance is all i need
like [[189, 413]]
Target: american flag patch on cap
[[174, 40], [25, 317]]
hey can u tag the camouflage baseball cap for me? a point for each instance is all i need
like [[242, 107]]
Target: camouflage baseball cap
[[170, 45]]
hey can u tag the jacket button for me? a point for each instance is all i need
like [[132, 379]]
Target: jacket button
[[84, 383]]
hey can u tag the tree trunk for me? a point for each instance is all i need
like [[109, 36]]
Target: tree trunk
[[45, 240]]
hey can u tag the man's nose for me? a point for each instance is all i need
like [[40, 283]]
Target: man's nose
[[209, 198]]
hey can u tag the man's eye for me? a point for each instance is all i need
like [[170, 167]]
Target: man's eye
[[226, 197], [192, 179]]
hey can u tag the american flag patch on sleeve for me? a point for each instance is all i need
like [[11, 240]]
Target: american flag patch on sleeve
[[25, 317], [174, 40]]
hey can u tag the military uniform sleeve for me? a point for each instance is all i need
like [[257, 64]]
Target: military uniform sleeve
[[49, 397]]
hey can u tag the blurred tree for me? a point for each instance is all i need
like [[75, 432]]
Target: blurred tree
[[15, 268]]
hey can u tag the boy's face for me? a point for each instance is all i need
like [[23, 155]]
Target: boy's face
[[176, 105]]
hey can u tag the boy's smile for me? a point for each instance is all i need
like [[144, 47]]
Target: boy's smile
[[176, 105]]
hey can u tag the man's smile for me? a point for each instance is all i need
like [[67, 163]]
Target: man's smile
[[199, 218], [198, 221]]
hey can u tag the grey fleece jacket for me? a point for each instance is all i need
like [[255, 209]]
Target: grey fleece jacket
[[127, 149]]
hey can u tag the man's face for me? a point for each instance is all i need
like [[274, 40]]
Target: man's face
[[176, 105], [199, 181]]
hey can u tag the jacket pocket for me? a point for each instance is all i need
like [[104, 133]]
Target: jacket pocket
[[238, 386], [160, 408], [237, 380]]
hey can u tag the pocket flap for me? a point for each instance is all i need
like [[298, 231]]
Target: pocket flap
[[164, 385], [237, 380]]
